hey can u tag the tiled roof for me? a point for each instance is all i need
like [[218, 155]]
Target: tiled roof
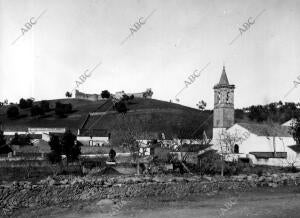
[[193, 147], [266, 130], [267, 155], [295, 148], [94, 132]]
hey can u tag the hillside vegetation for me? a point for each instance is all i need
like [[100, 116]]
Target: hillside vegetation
[[160, 117]]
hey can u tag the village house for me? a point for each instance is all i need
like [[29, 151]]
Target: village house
[[261, 144], [93, 137]]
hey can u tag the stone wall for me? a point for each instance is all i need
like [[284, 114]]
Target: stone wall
[[69, 188]]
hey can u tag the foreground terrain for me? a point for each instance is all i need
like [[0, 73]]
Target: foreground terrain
[[260, 202]]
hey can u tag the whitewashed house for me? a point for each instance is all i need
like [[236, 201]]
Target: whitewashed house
[[94, 137], [261, 144]]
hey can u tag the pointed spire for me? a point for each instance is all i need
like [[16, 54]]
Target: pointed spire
[[224, 79]]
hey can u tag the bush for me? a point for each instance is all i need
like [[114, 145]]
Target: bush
[[12, 112], [210, 163]]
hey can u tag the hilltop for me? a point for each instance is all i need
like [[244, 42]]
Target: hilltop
[[160, 117]]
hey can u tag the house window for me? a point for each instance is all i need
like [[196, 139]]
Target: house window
[[236, 149]]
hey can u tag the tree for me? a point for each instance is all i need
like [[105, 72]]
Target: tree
[[121, 107], [295, 130], [4, 148], [21, 140], [62, 109], [148, 93], [56, 149], [36, 110], [125, 97], [70, 147], [201, 105], [226, 142], [22, 103], [105, 94], [12, 112], [112, 155], [45, 106], [25, 103], [68, 94], [129, 133]]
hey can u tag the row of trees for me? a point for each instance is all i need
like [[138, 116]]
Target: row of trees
[[43, 107], [277, 112]]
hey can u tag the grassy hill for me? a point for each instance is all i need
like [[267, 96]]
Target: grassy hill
[[159, 116]]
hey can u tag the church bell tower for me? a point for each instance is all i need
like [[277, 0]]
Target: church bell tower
[[223, 104]]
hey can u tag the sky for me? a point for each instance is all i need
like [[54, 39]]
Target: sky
[[174, 39]]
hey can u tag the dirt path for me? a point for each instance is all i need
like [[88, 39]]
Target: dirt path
[[263, 202]]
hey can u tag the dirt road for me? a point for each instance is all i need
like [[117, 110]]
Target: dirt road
[[263, 202]]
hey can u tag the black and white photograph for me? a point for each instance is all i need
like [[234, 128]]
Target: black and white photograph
[[150, 108]]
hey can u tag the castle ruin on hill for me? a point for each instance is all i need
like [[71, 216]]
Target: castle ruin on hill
[[97, 97]]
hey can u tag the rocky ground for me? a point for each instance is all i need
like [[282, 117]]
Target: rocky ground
[[261, 202], [119, 190]]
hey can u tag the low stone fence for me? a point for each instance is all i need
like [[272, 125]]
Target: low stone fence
[[61, 189]]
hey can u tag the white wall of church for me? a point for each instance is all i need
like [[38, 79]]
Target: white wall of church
[[254, 143]]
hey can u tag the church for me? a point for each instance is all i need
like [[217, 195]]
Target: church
[[257, 143]]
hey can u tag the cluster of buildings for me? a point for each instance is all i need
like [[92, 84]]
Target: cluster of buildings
[[257, 143]]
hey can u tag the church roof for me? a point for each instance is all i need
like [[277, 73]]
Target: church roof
[[223, 79], [266, 129]]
